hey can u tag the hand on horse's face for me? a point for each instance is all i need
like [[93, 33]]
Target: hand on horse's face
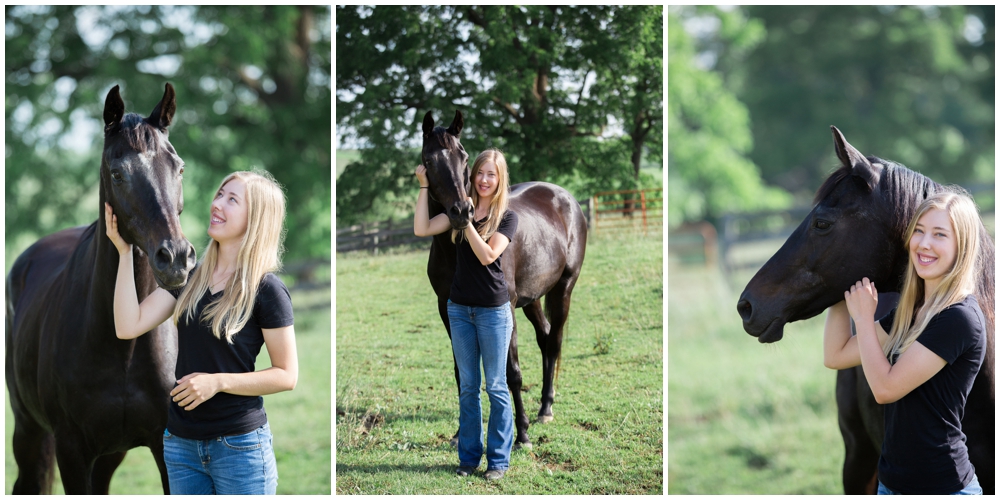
[[421, 174], [111, 226]]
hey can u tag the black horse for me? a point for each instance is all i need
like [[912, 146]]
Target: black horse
[[76, 390], [544, 258], [856, 229]]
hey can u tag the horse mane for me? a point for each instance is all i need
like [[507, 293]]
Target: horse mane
[[900, 188], [139, 135]]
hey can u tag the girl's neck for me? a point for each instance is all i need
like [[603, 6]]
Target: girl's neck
[[227, 257], [484, 203], [929, 288]]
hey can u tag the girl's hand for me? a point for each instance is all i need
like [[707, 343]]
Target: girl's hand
[[862, 299], [111, 226], [421, 174], [194, 389]]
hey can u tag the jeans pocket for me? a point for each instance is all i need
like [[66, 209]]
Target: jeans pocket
[[243, 442], [167, 435]]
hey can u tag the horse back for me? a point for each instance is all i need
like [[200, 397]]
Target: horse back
[[550, 241]]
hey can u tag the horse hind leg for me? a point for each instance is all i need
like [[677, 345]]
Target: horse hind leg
[[514, 383], [536, 316], [550, 340], [34, 452]]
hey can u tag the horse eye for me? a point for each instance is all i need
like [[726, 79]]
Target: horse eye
[[822, 224], [116, 176]]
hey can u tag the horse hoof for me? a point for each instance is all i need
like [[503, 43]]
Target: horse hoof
[[518, 446], [544, 419], [454, 442]]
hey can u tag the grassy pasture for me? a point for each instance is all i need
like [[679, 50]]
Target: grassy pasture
[[745, 418], [397, 403], [300, 419]]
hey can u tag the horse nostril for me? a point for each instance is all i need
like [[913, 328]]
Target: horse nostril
[[163, 258], [745, 309]]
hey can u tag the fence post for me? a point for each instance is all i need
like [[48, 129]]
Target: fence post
[[642, 200], [594, 203]]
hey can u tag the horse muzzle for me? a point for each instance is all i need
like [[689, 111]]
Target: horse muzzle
[[172, 262], [767, 328]]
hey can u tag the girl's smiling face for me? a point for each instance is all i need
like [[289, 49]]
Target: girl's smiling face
[[229, 212], [933, 247], [487, 180]]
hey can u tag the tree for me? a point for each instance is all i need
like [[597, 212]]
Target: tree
[[253, 90], [709, 172], [910, 84], [530, 80]]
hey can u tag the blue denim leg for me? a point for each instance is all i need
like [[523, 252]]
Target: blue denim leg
[[465, 345], [483, 332], [227, 465], [494, 326], [187, 470], [973, 488], [882, 490]]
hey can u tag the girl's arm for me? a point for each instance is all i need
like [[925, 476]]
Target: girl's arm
[[888, 382], [196, 388], [486, 252], [422, 225], [840, 348], [133, 319]]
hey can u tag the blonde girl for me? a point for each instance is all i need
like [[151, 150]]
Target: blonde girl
[[218, 440], [479, 311], [922, 370]]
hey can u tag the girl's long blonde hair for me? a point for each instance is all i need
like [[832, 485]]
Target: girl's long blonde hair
[[501, 200], [912, 314], [260, 253]]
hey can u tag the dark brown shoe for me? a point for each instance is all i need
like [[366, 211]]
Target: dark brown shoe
[[494, 475], [465, 471]]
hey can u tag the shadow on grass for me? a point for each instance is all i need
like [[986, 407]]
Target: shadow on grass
[[423, 416], [412, 469]]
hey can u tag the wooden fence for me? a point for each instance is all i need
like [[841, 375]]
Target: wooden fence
[[629, 209]]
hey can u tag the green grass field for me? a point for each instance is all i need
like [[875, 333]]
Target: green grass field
[[397, 404], [300, 419], [743, 417]]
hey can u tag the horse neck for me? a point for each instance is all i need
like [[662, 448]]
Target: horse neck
[[104, 257]]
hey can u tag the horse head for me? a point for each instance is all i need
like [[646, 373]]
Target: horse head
[[141, 179], [447, 166], [854, 230]]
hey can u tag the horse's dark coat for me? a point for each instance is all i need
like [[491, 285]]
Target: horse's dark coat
[[544, 258], [78, 393], [855, 230]]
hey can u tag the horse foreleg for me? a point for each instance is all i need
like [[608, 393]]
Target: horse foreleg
[[861, 456], [443, 312], [76, 464], [514, 383], [157, 449], [34, 450], [104, 468]]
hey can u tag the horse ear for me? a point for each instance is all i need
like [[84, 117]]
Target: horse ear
[[163, 113], [853, 160], [428, 124], [114, 110], [456, 125]]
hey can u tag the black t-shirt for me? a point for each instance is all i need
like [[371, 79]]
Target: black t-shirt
[[478, 285], [199, 351], [924, 450]]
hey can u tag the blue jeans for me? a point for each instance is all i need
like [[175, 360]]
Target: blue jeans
[[483, 332], [972, 488], [227, 465]]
